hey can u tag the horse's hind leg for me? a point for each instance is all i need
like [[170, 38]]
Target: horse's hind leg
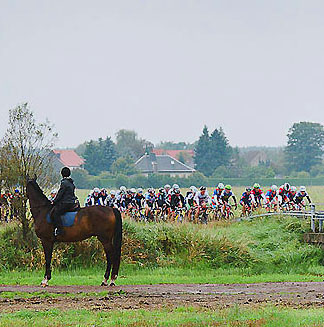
[[108, 251]]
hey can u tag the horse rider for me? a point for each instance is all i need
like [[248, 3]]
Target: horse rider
[[64, 201]]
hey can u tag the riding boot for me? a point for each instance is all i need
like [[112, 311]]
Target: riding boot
[[58, 228]]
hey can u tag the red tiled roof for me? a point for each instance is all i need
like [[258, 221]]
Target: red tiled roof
[[69, 158], [173, 153]]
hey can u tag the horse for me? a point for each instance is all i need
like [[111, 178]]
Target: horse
[[103, 222]]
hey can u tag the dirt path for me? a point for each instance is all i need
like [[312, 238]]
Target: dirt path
[[298, 294]]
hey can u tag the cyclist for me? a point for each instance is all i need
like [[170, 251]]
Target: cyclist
[[257, 195], [272, 198], [224, 200], [216, 195], [246, 201], [300, 195], [177, 201], [139, 199], [190, 199], [202, 200], [283, 193], [111, 200], [150, 199]]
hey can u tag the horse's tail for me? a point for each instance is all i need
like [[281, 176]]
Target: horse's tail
[[117, 241]]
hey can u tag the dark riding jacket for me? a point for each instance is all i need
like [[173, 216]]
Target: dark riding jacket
[[66, 192]]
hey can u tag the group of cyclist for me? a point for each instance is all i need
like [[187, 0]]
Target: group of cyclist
[[168, 200], [285, 197]]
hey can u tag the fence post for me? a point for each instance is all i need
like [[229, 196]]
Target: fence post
[[312, 210]]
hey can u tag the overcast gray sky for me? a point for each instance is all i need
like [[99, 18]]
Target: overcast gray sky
[[164, 68]]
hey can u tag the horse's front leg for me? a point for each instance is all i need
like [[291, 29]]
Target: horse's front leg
[[48, 250]]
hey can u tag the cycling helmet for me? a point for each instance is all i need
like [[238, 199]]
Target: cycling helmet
[[140, 190], [248, 189], [122, 189], [286, 187], [302, 189], [274, 188], [193, 189], [228, 187], [96, 190], [221, 186], [202, 188], [293, 189], [112, 192], [175, 186], [256, 185], [167, 186], [133, 190]]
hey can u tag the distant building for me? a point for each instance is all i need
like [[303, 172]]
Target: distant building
[[186, 155], [68, 158], [162, 164]]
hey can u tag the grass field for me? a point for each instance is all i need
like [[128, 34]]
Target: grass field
[[182, 316]]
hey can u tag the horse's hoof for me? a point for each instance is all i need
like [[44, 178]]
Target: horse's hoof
[[44, 285], [104, 284], [112, 284]]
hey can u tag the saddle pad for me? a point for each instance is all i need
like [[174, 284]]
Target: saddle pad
[[67, 218]]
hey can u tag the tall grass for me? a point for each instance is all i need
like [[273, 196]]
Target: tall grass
[[268, 245]]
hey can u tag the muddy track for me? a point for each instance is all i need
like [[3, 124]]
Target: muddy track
[[293, 294]]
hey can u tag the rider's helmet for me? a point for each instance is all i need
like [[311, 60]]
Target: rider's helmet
[[302, 189], [202, 188], [228, 187], [66, 172], [175, 186], [103, 191], [167, 186], [221, 186], [274, 188], [193, 189], [256, 185], [54, 191], [150, 190], [140, 190], [17, 190], [96, 190], [293, 189], [123, 189], [133, 190], [161, 189], [113, 192], [248, 189], [286, 187]]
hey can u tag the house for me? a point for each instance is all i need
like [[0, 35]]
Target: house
[[185, 156], [68, 158], [162, 164]]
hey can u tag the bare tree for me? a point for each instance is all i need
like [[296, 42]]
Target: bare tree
[[26, 149]]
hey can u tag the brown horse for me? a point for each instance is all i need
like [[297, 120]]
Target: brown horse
[[103, 222]]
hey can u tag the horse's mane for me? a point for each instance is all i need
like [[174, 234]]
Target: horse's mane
[[39, 191]]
